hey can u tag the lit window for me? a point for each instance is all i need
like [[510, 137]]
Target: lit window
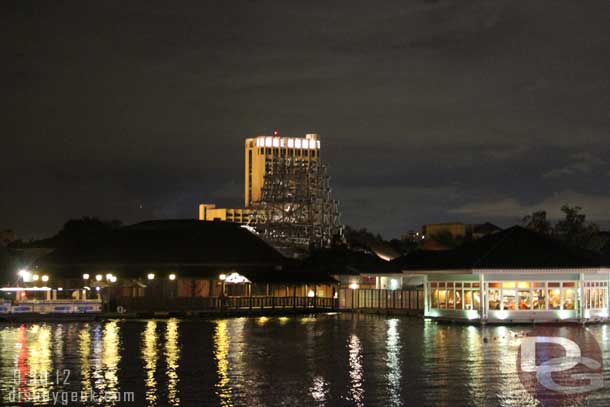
[[297, 143], [442, 299], [450, 299], [554, 298], [493, 296], [568, 299], [476, 297], [467, 299], [509, 300], [276, 142], [525, 301], [539, 299]]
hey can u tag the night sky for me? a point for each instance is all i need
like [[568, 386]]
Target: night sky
[[428, 111]]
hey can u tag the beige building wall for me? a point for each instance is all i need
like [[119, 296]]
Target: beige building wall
[[209, 212], [257, 152], [262, 148]]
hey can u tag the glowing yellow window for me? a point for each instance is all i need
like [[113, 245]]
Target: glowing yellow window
[[554, 298], [568, 298]]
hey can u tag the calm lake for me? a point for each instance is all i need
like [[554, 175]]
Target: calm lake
[[324, 360]]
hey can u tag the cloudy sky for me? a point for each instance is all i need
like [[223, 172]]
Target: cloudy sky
[[428, 111]]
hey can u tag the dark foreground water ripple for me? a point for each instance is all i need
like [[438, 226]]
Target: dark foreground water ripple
[[326, 360]]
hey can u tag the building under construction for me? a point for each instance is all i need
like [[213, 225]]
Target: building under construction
[[287, 194], [296, 210]]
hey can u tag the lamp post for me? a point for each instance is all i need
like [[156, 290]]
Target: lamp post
[[222, 279]]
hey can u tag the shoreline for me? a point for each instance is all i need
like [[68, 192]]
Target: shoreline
[[34, 318]]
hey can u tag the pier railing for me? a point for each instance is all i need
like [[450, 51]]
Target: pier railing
[[185, 304], [371, 298]]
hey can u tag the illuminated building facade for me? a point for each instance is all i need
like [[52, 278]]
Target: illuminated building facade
[[260, 154], [513, 276], [287, 195], [234, 215], [262, 150]]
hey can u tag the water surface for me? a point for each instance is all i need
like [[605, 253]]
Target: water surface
[[324, 360]]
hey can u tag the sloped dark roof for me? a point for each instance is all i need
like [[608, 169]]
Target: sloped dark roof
[[168, 242], [341, 261], [513, 248]]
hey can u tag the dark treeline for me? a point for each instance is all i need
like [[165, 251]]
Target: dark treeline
[[574, 229]]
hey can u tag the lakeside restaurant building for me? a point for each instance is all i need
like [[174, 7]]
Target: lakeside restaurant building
[[185, 263], [515, 275]]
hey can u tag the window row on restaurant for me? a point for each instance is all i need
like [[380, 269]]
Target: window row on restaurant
[[517, 295], [596, 294], [460, 295], [531, 296]]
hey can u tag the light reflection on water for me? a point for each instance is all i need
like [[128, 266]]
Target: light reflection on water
[[393, 362], [335, 360], [149, 355], [172, 358], [84, 339], [221, 353], [356, 371]]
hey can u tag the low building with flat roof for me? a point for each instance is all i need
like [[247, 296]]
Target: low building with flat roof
[[515, 275]]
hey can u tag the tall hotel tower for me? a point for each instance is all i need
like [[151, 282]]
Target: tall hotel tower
[[260, 154], [262, 150]]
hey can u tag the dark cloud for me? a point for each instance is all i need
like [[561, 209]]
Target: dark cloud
[[139, 109]]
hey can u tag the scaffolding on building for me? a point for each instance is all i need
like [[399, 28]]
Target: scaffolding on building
[[296, 212]]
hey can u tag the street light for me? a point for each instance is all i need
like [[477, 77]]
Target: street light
[[222, 277], [98, 277], [172, 277], [45, 278], [151, 276], [25, 275], [108, 277], [85, 276], [35, 277]]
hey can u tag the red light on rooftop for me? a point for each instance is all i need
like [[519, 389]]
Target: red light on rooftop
[[275, 132]]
